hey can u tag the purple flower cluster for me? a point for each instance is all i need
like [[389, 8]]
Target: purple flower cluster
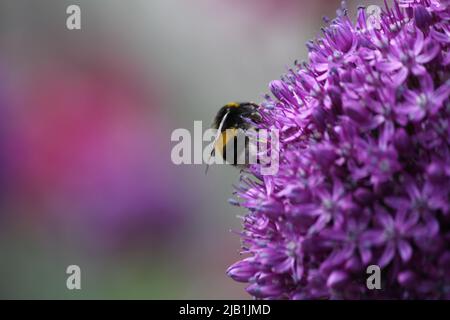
[[364, 176]]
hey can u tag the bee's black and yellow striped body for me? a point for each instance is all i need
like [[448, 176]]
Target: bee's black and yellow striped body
[[233, 119]]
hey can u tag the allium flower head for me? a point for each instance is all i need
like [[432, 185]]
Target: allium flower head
[[364, 176]]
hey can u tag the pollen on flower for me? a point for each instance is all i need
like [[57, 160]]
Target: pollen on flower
[[364, 175]]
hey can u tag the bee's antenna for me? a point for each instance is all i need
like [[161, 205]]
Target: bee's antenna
[[219, 131]]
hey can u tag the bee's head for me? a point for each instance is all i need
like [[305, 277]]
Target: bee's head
[[249, 111]]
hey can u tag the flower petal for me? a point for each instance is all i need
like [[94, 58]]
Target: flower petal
[[405, 250], [387, 255]]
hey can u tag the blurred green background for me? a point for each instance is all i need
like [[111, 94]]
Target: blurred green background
[[85, 123]]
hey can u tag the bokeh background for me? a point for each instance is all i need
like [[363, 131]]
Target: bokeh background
[[85, 124]]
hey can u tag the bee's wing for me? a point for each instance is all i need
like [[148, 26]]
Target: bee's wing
[[219, 131]]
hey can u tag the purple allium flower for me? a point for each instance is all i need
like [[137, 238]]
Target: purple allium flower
[[364, 175]]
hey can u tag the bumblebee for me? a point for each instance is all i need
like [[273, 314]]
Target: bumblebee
[[232, 120]]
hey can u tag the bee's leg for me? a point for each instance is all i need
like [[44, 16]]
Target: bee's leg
[[207, 165]]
